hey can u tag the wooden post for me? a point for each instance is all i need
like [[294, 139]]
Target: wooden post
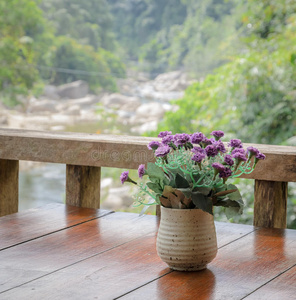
[[9, 173], [270, 205], [83, 186]]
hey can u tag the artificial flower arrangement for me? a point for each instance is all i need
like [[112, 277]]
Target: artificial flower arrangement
[[192, 171]]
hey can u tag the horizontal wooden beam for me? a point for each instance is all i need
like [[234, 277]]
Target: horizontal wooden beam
[[121, 152]]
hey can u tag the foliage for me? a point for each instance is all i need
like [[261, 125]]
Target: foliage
[[136, 22], [199, 44], [29, 52], [97, 66], [88, 22], [191, 172], [85, 46], [252, 97], [24, 40], [164, 35]]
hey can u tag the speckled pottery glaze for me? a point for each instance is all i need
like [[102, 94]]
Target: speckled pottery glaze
[[186, 239]]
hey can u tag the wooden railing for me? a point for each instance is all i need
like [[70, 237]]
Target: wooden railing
[[85, 154]]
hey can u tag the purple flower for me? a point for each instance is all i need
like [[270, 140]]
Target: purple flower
[[124, 177], [153, 145], [197, 137], [211, 151], [197, 150], [239, 156], [217, 134], [141, 171], [238, 150], [198, 157], [260, 156], [181, 139], [235, 143], [162, 151], [207, 141], [252, 151], [220, 146], [225, 173], [167, 139], [164, 133], [228, 160], [218, 166]]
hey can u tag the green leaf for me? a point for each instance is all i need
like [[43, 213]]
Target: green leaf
[[155, 187], [166, 180], [233, 203], [202, 202], [235, 196], [204, 190], [231, 212], [187, 192], [181, 182], [155, 171]]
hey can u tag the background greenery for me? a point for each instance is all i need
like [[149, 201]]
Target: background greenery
[[242, 55]]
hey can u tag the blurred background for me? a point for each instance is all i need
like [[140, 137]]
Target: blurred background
[[138, 67]]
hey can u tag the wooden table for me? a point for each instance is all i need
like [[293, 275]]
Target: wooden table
[[65, 252]]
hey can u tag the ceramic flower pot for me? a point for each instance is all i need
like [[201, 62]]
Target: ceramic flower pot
[[186, 239]]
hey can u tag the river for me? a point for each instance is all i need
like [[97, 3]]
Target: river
[[45, 183]]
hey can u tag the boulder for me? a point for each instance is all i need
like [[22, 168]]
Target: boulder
[[85, 102], [170, 76], [3, 118], [51, 92], [131, 106], [74, 90], [43, 106], [172, 81], [116, 101], [150, 110], [73, 110], [149, 126], [118, 197]]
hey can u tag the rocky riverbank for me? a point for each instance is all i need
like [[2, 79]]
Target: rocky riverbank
[[139, 105]]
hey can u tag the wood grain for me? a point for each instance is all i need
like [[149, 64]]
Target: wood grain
[[270, 204], [121, 152], [114, 257], [8, 186], [239, 269], [282, 287], [37, 222], [39, 257], [118, 253], [83, 185]]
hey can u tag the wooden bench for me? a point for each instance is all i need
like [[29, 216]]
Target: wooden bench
[[85, 154]]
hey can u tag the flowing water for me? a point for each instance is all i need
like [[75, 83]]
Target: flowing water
[[42, 184]]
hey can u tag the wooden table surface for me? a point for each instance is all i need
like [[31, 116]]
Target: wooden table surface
[[65, 252]]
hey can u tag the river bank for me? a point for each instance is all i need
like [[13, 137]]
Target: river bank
[[137, 107]]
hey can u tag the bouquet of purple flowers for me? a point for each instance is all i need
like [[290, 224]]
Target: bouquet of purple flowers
[[192, 171]]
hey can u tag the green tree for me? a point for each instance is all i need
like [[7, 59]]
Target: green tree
[[253, 96], [136, 22], [84, 44], [89, 22], [24, 40], [95, 67], [202, 42]]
